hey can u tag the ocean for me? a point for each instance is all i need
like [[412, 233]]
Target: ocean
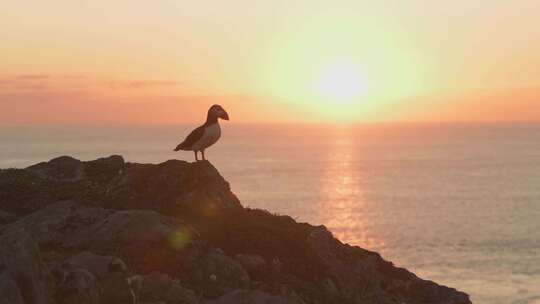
[[458, 204]]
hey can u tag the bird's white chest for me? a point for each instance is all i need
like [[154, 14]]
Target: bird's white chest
[[211, 134]]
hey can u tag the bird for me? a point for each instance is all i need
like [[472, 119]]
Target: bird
[[205, 135]]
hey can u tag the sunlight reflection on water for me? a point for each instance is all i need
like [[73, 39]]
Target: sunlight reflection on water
[[342, 196]]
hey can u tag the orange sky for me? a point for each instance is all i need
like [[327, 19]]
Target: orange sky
[[126, 62]]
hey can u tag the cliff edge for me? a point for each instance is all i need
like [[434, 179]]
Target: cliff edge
[[107, 231]]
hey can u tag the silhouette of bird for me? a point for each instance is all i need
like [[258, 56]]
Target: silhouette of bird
[[205, 135]]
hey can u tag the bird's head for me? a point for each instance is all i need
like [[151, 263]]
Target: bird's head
[[218, 112]]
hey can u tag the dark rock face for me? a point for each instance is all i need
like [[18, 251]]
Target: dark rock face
[[254, 264], [379, 281], [79, 286], [21, 264], [9, 290], [100, 266], [219, 273], [250, 296], [91, 278], [127, 228], [63, 168], [148, 239], [172, 187], [54, 223], [6, 218], [156, 287], [116, 232]]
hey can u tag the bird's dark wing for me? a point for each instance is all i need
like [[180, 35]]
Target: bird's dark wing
[[192, 138]]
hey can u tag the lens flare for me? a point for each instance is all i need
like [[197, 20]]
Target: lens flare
[[179, 239]]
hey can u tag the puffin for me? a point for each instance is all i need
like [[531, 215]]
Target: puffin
[[205, 135]]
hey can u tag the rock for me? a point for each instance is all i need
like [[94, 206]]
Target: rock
[[254, 264], [9, 291], [329, 288], [127, 227], [23, 191], [331, 252], [148, 240], [156, 287], [250, 296], [63, 168], [6, 218], [54, 223], [102, 170], [77, 286], [217, 274], [166, 222], [117, 289], [133, 227], [172, 187], [21, 260], [362, 274], [99, 265], [91, 278], [69, 169]]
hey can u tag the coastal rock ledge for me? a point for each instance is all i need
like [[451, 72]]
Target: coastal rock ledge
[[108, 231]]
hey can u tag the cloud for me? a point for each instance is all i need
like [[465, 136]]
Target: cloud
[[11, 85], [26, 82], [32, 82], [33, 76], [87, 108], [72, 76], [142, 84]]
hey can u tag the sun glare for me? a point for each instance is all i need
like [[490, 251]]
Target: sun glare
[[321, 68], [341, 83]]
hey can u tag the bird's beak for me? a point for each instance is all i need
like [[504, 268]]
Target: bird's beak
[[224, 115]]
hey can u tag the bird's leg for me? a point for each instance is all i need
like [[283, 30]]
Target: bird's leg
[[203, 155], [196, 158]]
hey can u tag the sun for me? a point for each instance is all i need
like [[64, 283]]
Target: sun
[[341, 83]]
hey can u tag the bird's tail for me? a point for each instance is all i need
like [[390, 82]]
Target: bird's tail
[[179, 147]]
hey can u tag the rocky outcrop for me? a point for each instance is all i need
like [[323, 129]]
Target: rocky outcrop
[[54, 223], [173, 186], [156, 287], [6, 218], [22, 266], [219, 274], [78, 286], [250, 296], [106, 231], [146, 239], [9, 290], [100, 266]]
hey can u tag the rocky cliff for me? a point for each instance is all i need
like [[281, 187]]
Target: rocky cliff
[[107, 231]]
